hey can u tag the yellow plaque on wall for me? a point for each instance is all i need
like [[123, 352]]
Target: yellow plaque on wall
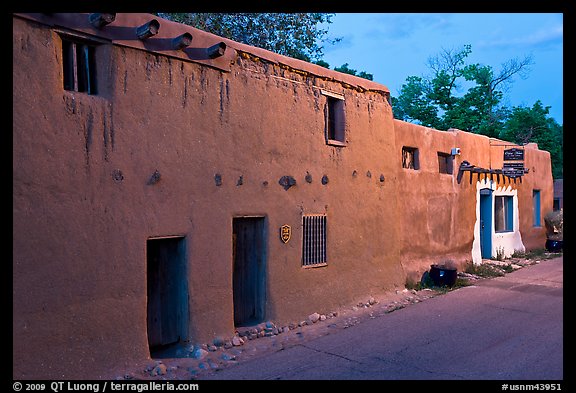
[[285, 233]]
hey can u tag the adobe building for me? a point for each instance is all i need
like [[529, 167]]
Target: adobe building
[[171, 186], [558, 194]]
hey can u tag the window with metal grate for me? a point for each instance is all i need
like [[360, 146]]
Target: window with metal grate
[[314, 240]]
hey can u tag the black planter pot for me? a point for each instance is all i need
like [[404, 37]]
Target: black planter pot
[[442, 275], [554, 245]]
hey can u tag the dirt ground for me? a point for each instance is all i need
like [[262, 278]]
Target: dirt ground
[[192, 362]]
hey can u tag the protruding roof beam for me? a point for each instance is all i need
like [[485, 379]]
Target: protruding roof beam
[[182, 41], [148, 29], [216, 50], [100, 20]]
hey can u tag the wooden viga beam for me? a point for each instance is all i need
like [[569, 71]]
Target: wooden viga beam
[[487, 173]]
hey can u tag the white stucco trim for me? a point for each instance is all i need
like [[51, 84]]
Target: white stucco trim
[[507, 241]]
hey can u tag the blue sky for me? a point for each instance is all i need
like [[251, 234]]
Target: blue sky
[[395, 46]]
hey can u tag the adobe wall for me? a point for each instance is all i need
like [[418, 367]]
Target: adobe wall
[[539, 177], [96, 176], [438, 213], [440, 219]]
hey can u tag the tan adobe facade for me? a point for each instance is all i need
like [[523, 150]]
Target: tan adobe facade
[[168, 195]]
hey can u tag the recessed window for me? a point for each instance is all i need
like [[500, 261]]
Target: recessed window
[[445, 163], [314, 240], [335, 121], [410, 158], [536, 205], [503, 214], [79, 66]]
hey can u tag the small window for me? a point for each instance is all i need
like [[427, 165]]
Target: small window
[[503, 214], [445, 163], [536, 205], [314, 240], [410, 158], [79, 66], [335, 121], [556, 205]]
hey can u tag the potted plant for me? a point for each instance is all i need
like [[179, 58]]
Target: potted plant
[[444, 273], [554, 230]]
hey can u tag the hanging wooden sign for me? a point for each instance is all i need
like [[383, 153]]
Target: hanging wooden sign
[[514, 165], [514, 154], [285, 233]]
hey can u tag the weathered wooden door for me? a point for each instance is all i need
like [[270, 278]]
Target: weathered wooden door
[[167, 290], [249, 270]]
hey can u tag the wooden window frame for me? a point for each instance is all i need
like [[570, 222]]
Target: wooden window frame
[[507, 214], [445, 163], [537, 206], [334, 119], [79, 65], [414, 162]]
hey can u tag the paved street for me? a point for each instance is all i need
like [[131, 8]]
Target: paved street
[[505, 328]]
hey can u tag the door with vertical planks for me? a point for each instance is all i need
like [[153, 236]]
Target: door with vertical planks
[[249, 270]]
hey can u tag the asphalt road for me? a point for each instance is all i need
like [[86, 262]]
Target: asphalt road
[[505, 328]]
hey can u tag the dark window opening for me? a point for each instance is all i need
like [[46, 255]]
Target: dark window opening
[[410, 159], [445, 163], [335, 122], [556, 205], [314, 240], [503, 214], [79, 66]]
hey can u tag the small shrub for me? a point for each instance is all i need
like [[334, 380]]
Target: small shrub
[[410, 284], [461, 282], [484, 270], [500, 254], [519, 254], [536, 254]]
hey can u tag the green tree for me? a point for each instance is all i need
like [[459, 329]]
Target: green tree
[[322, 63], [437, 100], [347, 70], [525, 125], [298, 35], [413, 104], [440, 101]]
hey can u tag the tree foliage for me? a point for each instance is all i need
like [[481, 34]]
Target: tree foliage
[[525, 125], [363, 74], [437, 101], [469, 97], [298, 35]]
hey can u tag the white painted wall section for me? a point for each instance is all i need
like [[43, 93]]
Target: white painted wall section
[[504, 242]]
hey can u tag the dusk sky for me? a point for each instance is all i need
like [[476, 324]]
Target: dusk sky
[[395, 46]]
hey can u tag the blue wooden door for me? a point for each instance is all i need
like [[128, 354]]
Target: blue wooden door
[[486, 223]]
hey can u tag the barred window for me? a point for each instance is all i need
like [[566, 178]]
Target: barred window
[[314, 240]]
